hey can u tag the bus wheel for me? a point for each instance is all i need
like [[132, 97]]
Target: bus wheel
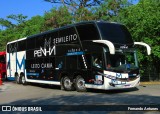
[[23, 80], [67, 84], [80, 84], [17, 79], [5, 77]]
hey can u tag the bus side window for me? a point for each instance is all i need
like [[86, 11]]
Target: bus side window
[[71, 62], [30, 44], [90, 29], [60, 63], [108, 64], [97, 61], [21, 45], [11, 48]]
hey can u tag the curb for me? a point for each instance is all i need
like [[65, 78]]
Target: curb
[[149, 83]]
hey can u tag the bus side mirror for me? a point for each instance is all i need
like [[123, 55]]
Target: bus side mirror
[[144, 44], [109, 44]]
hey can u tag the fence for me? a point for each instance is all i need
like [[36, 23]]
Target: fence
[[150, 74]]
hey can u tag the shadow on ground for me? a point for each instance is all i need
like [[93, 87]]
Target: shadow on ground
[[86, 102]]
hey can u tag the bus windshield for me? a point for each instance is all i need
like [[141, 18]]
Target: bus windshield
[[122, 60], [117, 34]]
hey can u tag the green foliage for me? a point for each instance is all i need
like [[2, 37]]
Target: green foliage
[[21, 29], [57, 18], [109, 9], [83, 14], [33, 26], [143, 21], [5, 23], [19, 18], [77, 3]]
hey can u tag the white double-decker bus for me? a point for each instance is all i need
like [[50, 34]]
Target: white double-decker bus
[[93, 54]]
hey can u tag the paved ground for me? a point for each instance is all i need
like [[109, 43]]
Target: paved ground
[[14, 94]]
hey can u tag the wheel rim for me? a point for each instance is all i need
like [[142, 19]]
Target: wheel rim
[[17, 79], [81, 83], [67, 82], [23, 79]]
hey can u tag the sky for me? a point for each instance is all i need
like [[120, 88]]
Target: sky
[[28, 8]]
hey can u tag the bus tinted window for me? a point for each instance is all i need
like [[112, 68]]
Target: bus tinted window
[[31, 43], [12, 47], [30, 54], [59, 63], [8, 48], [40, 41], [22, 45], [88, 32], [72, 65], [115, 33], [66, 35], [46, 40]]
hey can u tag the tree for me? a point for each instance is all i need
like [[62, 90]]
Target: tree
[[77, 3], [57, 17], [109, 10], [11, 31], [33, 26], [6, 24], [18, 18], [144, 25], [79, 9]]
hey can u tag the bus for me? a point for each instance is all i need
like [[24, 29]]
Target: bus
[[3, 65], [92, 54]]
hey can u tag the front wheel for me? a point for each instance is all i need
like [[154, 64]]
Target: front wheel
[[80, 84], [67, 84]]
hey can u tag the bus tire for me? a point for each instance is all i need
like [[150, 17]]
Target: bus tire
[[5, 77], [17, 79], [23, 80], [80, 84], [67, 83]]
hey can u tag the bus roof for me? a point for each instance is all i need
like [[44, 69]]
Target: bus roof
[[72, 25], [102, 28]]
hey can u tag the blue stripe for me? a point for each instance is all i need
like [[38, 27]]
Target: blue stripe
[[11, 78], [20, 64], [16, 61], [75, 53], [32, 74]]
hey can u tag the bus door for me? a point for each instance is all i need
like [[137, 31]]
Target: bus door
[[97, 69]]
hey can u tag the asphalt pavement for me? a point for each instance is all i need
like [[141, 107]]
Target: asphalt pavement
[[35, 94]]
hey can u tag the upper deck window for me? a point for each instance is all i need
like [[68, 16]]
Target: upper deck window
[[88, 32], [115, 33]]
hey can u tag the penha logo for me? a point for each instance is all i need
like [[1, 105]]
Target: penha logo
[[49, 46], [48, 49]]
